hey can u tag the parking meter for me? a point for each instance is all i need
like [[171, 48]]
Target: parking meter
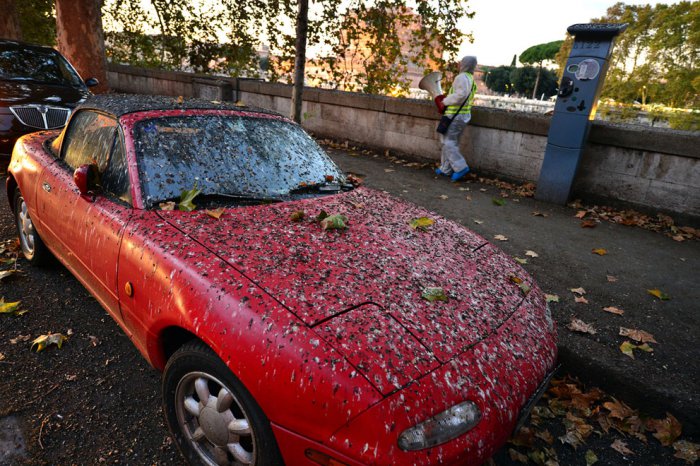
[[577, 100]]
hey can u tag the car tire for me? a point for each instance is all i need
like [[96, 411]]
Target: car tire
[[230, 427], [33, 248]]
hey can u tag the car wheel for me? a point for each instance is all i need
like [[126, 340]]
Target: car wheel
[[211, 415], [32, 246]]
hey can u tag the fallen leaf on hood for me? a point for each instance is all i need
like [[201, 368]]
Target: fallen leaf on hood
[[581, 300], [600, 251], [591, 458], [621, 447], [43, 341], [186, 198], [551, 298], [297, 216], [434, 293], [215, 213], [170, 205], [520, 261], [500, 238], [578, 290], [20, 338], [637, 335], [611, 279], [499, 201], [667, 429], [589, 224], [614, 310], [577, 325], [659, 294], [421, 223], [531, 253], [334, 222], [627, 348], [580, 214], [687, 451]]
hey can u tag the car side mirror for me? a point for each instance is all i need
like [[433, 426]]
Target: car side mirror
[[91, 82], [87, 179]]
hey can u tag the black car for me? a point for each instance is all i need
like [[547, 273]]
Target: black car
[[38, 90]]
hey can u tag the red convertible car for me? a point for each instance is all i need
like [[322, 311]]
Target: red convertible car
[[297, 318]]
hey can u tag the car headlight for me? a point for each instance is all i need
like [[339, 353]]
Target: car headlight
[[441, 428]]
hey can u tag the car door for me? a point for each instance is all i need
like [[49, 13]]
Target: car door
[[88, 229]]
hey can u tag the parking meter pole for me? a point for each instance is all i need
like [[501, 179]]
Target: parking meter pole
[[576, 104]]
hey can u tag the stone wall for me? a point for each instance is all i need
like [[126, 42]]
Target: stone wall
[[649, 168]]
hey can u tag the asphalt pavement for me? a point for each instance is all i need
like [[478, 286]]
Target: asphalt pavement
[[635, 260]]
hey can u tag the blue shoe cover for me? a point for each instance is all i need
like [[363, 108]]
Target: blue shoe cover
[[456, 176], [440, 172]]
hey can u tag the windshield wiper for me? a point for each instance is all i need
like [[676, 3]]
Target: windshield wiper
[[238, 197], [322, 188]]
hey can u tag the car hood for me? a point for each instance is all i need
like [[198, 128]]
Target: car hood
[[26, 92], [379, 259]]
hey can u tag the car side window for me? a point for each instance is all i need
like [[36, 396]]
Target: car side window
[[89, 140], [115, 179]]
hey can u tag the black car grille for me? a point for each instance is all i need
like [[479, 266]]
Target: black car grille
[[41, 116]]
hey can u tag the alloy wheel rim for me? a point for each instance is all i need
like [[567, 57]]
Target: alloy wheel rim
[[213, 421], [26, 228]]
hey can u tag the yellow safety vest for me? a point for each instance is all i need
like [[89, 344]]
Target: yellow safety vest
[[467, 108]]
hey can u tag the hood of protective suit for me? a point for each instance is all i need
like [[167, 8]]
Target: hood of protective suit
[[467, 65]]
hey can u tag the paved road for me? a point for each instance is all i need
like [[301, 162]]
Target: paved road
[[95, 400]]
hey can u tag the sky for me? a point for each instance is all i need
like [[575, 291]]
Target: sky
[[502, 29]]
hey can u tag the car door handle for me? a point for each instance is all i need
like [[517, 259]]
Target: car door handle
[[46, 187]]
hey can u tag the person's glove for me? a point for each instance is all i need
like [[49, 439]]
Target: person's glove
[[438, 101]]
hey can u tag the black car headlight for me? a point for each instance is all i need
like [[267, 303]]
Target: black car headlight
[[441, 428]]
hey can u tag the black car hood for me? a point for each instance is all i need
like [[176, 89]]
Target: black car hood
[[28, 92]]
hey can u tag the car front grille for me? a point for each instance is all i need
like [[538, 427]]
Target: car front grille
[[41, 116]]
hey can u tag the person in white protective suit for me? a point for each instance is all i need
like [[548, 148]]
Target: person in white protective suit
[[461, 94]]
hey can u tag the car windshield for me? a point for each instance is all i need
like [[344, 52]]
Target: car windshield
[[265, 158], [38, 66]]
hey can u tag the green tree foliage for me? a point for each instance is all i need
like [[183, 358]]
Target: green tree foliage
[[657, 59], [521, 81], [364, 46], [538, 54], [37, 21]]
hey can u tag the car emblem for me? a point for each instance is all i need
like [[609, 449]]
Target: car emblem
[[43, 109]]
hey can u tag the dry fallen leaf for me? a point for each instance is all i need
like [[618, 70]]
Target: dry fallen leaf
[[43, 341], [637, 335], [577, 325], [478, 222], [500, 238], [531, 253], [19, 338], [659, 294], [687, 451], [580, 214], [667, 429], [421, 223], [589, 224], [517, 456], [551, 298], [621, 447], [443, 197], [578, 290], [611, 279], [71, 377], [215, 213], [388, 170], [170, 205], [581, 300], [591, 458], [600, 251], [614, 310], [520, 261], [627, 348], [539, 214], [618, 409], [7, 273]]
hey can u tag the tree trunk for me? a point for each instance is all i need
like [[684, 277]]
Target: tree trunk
[[9, 21], [80, 38], [537, 82], [300, 60]]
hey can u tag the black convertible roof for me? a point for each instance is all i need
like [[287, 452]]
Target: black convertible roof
[[121, 104]]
